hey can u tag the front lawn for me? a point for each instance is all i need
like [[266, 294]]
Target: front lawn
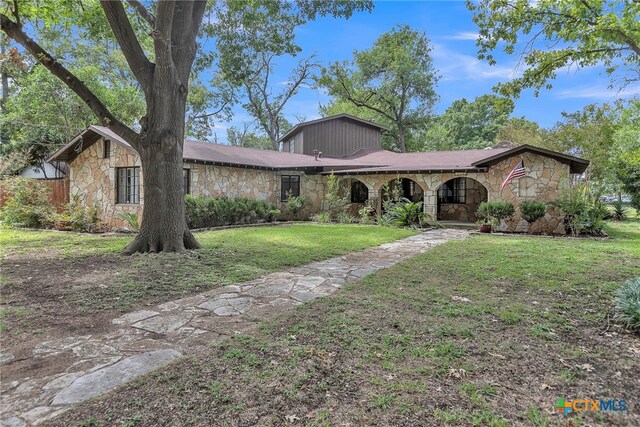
[[488, 331], [56, 283]]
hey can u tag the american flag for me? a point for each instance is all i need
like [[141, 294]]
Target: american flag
[[516, 172]]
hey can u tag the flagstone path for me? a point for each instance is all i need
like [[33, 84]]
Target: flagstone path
[[144, 340]]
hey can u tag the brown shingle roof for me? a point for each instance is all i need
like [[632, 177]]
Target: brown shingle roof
[[362, 161]]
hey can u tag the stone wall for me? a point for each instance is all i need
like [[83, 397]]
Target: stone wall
[[92, 181], [232, 182], [545, 180]]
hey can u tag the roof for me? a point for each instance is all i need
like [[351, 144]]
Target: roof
[[577, 164], [297, 128], [366, 160], [206, 152]]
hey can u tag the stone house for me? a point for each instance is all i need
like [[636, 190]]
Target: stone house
[[105, 171]]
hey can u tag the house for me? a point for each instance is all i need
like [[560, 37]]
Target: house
[[46, 170], [105, 171]]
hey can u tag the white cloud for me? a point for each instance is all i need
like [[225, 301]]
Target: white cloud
[[457, 66], [463, 35], [597, 92]]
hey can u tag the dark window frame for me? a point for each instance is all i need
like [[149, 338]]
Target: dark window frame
[[287, 183], [106, 149], [453, 191], [359, 192], [186, 180], [129, 178]]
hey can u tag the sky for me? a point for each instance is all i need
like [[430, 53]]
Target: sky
[[449, 26]]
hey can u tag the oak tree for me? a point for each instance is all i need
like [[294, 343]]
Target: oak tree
[[161, 60], [550, 35], [394, 79]]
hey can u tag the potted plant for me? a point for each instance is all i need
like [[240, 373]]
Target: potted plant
[[490, 214]]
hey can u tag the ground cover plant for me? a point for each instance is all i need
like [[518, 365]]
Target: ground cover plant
[[56, 284], [489, 331]]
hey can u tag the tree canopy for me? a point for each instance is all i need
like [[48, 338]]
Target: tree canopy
[[394, 80], [162, 48], [553, 34]]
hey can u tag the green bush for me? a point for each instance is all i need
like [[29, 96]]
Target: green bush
[[344, 218], [619, 211], [494, 211], [366, 213], [583, 212], [131, 219], [294, 206], [322, 217], [627, 304], [406, 213], [203, 211], [29, 203], [532, 211], [76, 217]]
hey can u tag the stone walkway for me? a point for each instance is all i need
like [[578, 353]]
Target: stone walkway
[[144, 340]]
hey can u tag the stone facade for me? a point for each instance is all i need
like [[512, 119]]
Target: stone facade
[[545, 180], [93, 182], [93, 177]]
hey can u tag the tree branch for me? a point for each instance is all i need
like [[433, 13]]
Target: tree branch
[[143, 12], [106, 118], [141, 67]]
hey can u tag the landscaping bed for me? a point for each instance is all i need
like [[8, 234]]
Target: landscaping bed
[[487, 331]]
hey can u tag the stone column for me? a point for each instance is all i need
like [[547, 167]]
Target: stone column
[[431, 204]]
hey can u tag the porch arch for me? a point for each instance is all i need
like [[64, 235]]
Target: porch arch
[[458, 199], [401, 187]]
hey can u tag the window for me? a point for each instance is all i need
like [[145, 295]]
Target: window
[[292, 146], [107, 149], [289, 183], [186, 178], [359, 192], [127, 185], [454, 191]]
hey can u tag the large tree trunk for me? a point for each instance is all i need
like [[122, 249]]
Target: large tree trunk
[[160, 146], [401, 143]]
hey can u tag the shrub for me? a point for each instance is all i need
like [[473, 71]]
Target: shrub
[[322, 217], [495, 211], [131, 219], [77, 217], [28, 204], [344, 218], [366, 213], [337, 198], [406, 213], [583, 212], [619, 211], [532, 211], [627, 304], [203, 211], [294, 205]]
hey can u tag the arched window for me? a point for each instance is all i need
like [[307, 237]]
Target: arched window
[[359, 192]]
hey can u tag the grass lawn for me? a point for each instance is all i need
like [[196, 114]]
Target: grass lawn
[[487, 331], [57, 283]]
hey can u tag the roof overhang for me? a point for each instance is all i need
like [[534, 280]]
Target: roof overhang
[[84, 140], [382, 170], [576, 164]]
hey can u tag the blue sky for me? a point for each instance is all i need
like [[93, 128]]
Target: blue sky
[[449, 26]]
